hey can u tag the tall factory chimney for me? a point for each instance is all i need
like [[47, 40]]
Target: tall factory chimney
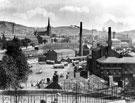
[[109, 38], [114, 35], [13, 28], [80, 41], [48, 28]]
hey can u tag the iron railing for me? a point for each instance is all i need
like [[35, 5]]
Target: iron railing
[[59, 96]]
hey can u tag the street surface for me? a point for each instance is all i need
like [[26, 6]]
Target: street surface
[[47, 72]]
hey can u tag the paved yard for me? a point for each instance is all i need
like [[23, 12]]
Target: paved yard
[[47, 72]]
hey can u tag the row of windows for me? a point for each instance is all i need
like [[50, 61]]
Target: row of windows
[[111, 72], [115, 72]]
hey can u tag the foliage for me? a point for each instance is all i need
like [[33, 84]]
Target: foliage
[[14, 66], [53, 35], [25, 42], [45, 41], [32, 44], [66, 40], [13, 48], [8, 73], [55, 40], [130, 85], [4, 41]]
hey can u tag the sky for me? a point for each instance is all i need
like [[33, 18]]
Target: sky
[[95, 14]]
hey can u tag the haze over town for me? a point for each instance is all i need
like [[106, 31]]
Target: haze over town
[[119, 14]]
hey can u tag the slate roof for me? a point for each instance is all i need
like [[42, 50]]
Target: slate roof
[[124, 60], [64, 51], [53, 85]]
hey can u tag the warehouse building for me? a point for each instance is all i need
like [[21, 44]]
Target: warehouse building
[[105, 62], [116, 43], [58, 55], [126, 40], [119, 68]]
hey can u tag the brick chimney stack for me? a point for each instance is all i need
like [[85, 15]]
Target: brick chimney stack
[[80, 41], [114, 35], [109, 38], [13, 28]]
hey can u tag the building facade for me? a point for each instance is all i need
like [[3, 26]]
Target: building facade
[[58, 55], [118, 68], [105, 62], [116, 43]]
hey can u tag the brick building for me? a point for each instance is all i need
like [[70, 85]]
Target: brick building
[[58, 55], [105, 61], [119, 68]]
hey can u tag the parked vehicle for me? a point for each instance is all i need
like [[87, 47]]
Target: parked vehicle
[[50, 62], [58, 66], [65, 63], [41, 63], [39, 72]]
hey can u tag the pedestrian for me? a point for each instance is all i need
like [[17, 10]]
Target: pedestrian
[[31, 84], [67, 76]]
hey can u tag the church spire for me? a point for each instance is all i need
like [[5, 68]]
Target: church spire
[[48, 22], [48, 27]]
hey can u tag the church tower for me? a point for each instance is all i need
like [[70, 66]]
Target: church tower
[[48, 28]]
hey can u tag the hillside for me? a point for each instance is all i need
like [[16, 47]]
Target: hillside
[[69, 30], [6, 27]]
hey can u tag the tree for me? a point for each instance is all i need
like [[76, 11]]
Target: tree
[[4, 41], [25, 42], [13, 48], [16, 41], [14, 66], [55, 40], [8, 73], [45, 41], [66, 40]]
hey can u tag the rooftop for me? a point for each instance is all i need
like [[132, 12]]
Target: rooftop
[[78, 57], [2, 52], [115, 39], [64, 50], [46, 37], [132, 54], [124, 60]]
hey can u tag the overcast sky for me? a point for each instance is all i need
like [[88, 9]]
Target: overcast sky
[[96, 14]]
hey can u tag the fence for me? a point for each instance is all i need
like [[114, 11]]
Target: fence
[[71, 92], [59, 96]]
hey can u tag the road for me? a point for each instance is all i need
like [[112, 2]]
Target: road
[[47, 72]]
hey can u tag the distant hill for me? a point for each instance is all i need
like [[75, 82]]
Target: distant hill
[[69, 30], [130, 33], [6, 27]]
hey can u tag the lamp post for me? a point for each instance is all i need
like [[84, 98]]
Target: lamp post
[[77, 87], [15, 94]]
